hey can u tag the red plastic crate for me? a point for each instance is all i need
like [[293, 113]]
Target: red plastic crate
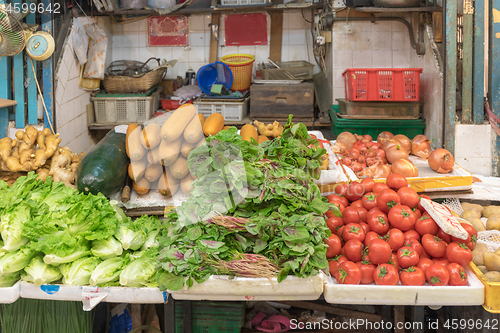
[[382, 84]]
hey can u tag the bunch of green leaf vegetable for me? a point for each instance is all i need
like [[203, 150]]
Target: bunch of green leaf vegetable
[[51, 233], [254, 211]]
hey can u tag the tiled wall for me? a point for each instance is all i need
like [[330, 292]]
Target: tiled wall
[[71, 102], [129, 41], [479, 148]]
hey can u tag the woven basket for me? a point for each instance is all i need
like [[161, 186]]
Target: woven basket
[[131, 84]]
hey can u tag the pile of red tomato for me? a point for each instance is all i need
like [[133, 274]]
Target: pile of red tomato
[[385, 236]]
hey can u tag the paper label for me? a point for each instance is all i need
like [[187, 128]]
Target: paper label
[[444, 219], [91, 296], [121, 129], [49, 288]]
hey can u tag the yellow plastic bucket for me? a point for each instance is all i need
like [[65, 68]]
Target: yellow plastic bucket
[[241, 66]]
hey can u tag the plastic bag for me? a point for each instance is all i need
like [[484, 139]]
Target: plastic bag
[[96, 55], [80, 40], [188, 92]]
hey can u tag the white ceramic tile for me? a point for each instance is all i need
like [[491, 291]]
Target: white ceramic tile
[[338, 93], [228, 50], [297, 37], [197, 65], [341, 41], [164, 53], [338, 79], [179, 70], [400, 41], [197, 54], [382, 59], [361, 40], [131, 27], [208, 19], [196, 39], [142, 25], [401, 59], [473, 140], [63, 74], [296, 21], [285, 53], [74, 71], [132, 54], [382, 26], [261, 53], [362, 59], [59, 93], [248, 49], [361, 26], [286, 16], [207, 37], [180, 54], [118, 53], [480, 166], [143, 39], [148, 52], [117, 28], [381, 41], [196, 23], [399, 26], [342, 59], [297, 53]]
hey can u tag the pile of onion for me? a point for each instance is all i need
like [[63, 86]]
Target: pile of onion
[[396, 152], [405, 168], [347, 138], [441, 160], [421, 146], [383, 137], [404, 140]]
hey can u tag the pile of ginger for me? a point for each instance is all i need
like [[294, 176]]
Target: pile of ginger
[[273, 130], [34, 150]]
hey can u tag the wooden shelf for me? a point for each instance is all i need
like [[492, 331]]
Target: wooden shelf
[[396, 9]]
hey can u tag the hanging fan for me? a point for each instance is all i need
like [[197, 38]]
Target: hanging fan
[[12, 35]]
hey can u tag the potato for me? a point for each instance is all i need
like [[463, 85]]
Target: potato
[[477, 254], [493, 222], [469, 206], [477, 224], [493, 276], [497, 252], [468, 214], [483, 269], [491, 261], [491, 210]]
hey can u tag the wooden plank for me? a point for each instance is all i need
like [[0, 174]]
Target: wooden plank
[[48, 84], [467, 76], [437, 26], [276, 35], [6, 93], [478, 66], [334, 310], [494, 78], [399, 317], [31, 90], [450, 74], [214, 44], [18, 64]]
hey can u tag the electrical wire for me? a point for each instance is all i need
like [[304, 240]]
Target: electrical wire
[[302, 11], [41, 96]]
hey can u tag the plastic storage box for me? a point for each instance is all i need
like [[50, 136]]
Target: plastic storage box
[[127, 109], [231, 110], [212, 317], [300, 70], [382, 84], [378, 110], [373, 127]]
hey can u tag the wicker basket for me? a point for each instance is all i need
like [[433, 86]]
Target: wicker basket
[[131, 84]]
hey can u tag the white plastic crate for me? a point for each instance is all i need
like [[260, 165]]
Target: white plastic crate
[[232, 111], [125, 110]]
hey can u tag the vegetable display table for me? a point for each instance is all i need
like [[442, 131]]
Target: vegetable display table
[[10, 294]]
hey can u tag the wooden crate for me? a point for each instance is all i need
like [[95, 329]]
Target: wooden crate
[[277, 101]]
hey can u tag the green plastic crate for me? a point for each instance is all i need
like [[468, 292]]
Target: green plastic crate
[[373, 127], [212, 317]]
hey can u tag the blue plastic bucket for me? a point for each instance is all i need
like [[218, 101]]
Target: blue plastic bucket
[[216, 73]]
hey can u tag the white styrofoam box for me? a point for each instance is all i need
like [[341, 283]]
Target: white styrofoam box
[[10, 294], [232, 111], [225, 288], [472, 294]]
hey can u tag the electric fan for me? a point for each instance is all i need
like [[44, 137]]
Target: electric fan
[[12, 35]]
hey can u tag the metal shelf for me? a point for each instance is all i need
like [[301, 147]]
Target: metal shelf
[[393, 9]]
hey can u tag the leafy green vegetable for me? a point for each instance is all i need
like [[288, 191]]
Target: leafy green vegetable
[[106, 248], [38, 272], [141, 271], [108, 271], [10, 279], [78, 272], [16, 260], [80, 250], [130, 238], [12, 225]]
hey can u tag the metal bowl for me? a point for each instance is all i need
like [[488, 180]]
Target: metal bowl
[[397, 3]]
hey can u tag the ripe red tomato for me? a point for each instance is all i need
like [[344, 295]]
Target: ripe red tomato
[[333, 223], [409, 197], [386, 275], [394, 261], [365, 227], [362, 213], [425, 254], [407, 257], [379, 251], [335, 198], [444, 236], [379, 187], [367, 269], [348, 273], [414, 244], [357, 204], [378, 222], [353, 231], [353, 250], [351, 215], [369, 200], [471, 240], [426, 225], [396, 239], [355, 191], [368, 183], [371, 235], [334, 246], [412, 276], [424, 263], [401, 217], [387, 199], [458, 276], [333, 264], [341, 189], [459, 253], [437, 275], [441, 261], [417, 213], [434, 246], [412, 234], [396, 181], [330, 213], [420, 208]]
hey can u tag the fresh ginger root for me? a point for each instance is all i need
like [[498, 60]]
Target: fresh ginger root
[[29, 138], [26, 155], [15, 149], [270, 130], [40, 140], [42, 173], [51, 143], [5, 148], [19, 135], [46, 132], [77, 158], [325, 163], [40, 158], [60, 167], [277, 129]]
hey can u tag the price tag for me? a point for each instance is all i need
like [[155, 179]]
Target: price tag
[[121, 129], [91, 296], [444, 219]]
